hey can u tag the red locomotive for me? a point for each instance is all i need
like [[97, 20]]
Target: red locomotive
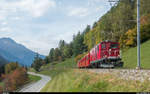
[[105, 54]]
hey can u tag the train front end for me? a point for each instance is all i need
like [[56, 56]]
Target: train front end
[[113, 55]]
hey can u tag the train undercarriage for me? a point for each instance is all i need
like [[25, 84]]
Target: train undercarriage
[[106, 63]]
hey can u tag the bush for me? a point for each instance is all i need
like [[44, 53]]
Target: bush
[[16, 79], [1, 90], [145, 32], [131, 37], [11, 67]]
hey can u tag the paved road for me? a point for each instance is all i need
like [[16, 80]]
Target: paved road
[[37, 86]]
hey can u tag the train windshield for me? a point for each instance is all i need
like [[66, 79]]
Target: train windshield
[[113, 46]]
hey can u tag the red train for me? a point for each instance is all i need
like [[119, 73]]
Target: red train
[[105, 54]]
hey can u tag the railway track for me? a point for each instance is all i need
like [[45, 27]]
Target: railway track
[[127, 74]]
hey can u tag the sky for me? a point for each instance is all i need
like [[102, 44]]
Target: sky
[[40, 24]]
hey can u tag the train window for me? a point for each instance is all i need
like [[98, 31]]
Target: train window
[[103, 46], [113, 46]]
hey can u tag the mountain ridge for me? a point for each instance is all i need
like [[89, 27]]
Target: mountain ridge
[[15, 52]]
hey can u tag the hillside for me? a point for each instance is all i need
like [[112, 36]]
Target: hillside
[[67, 78], [2, 61], [2, 64], [13, 52], [85, 81], [115, 25], [130, 56]]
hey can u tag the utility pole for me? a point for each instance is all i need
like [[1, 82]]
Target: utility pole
[[138, 36]]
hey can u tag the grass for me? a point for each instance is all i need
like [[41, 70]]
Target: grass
[[75, 80], [56, 68], [67, 79], [1, 83], [31, 70], [130, 56], [33, 78], [68, 63]]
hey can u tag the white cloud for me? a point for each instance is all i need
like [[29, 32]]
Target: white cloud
[[4, 23], [16, 18], [5, 29], [35, 8], [81, 12], [42, 34]]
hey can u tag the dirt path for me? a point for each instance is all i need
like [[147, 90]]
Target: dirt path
[[37, 86]]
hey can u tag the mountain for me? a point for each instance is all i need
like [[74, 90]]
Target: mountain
[[3, 61], [12, 51]]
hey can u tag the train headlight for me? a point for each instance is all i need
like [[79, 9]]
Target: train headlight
[[109, 49]]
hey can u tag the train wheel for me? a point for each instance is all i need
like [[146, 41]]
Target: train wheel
[[93, 66], [121, 64]]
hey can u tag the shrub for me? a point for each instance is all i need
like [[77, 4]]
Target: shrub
[[1, 90], [131, 37], [11, 67], [16, 79]]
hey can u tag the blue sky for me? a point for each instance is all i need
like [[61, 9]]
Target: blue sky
[[40, 24]]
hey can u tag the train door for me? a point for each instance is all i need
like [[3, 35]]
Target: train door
[[89, 59], [99, 51], [85, 61], [103, 50], [96, 53], [91, 56]]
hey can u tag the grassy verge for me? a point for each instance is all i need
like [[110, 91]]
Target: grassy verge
[[67, 79], [33, 78], [74, 80], [1, 84], [130, 56], [83, 81]]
